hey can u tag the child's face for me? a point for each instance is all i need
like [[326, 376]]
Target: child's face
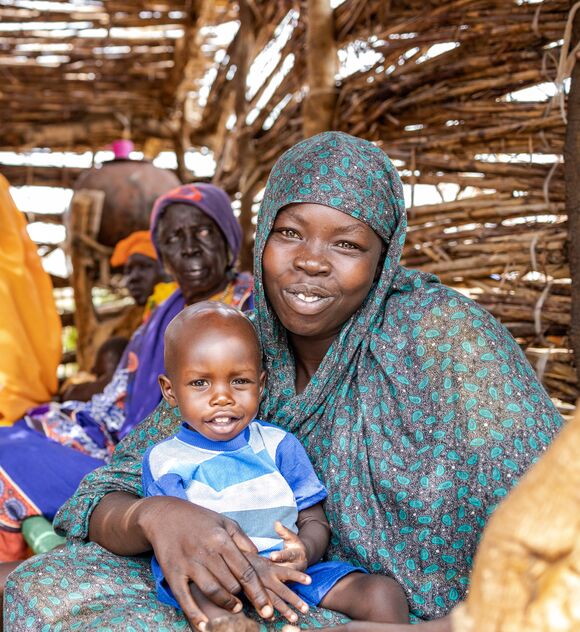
[[216, 381]]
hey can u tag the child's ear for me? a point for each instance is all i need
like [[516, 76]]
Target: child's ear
[[262, 382], [167, 390]]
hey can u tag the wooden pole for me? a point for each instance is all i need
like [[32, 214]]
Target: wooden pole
[[321, 68], [244, 146], [572, 179]]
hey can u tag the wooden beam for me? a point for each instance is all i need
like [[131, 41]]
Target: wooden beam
[[28, 175], [572, 179], [319, 103], [245, 149]]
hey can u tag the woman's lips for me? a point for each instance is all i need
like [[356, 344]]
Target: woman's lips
[[306, 300], [194, 273]]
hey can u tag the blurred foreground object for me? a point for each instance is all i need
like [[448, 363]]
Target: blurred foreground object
[[30, 328], [526, 575]]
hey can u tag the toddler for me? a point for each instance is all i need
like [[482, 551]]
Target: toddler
[[253, 472]]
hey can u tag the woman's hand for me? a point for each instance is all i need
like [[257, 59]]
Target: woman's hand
[[294, 554], [191, 544], [275, 577]]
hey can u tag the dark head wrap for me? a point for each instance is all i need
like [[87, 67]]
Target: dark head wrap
[[209, 199], [424, 411]]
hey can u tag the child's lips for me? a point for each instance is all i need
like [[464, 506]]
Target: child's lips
[[223, 418]]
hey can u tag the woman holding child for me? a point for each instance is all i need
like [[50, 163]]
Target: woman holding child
[[416, 408]]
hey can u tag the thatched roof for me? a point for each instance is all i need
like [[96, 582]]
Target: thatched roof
[[75, 74], [437, 84]]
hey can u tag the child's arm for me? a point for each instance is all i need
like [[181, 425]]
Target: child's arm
[[305, 548]]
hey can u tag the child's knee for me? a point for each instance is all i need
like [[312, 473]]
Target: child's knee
[[369, 598], [388, 598]]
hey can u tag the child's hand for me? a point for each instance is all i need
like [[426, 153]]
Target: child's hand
[[274, 578], [294, 554]]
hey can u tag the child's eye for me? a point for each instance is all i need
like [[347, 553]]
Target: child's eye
[[198, 383], [241, 380]]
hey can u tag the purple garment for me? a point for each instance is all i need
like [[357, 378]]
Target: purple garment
[[208, 198], [143, 392]]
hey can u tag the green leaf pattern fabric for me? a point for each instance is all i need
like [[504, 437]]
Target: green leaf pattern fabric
[[421, 417]]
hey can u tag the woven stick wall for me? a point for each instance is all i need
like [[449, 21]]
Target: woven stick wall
[[438, 97], [436, 93]]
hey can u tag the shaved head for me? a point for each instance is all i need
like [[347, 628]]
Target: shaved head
[[202, 320]]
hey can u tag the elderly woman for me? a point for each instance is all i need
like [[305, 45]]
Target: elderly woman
[[417, 409], [148, 285], [42, 462]]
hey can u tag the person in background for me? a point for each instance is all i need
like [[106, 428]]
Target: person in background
[[30, 332], [144, 276], [148, 285], [108, 357]]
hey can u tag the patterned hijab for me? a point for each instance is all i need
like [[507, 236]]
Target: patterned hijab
[[423, 412]]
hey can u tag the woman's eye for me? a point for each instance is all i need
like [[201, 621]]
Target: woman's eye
[[203, 233], [348, 245], [289, 232]]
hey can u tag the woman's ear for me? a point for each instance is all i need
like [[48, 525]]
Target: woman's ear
[[167, 390], [380, 263]]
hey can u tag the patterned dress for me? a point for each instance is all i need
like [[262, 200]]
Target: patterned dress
[[420, 418]]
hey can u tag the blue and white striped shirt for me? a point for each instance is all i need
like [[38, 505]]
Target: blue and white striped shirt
[[256, 478]]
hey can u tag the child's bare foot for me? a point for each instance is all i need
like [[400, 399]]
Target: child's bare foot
[[232, 623]]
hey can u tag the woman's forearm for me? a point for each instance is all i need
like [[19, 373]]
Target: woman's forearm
[[119, 522]]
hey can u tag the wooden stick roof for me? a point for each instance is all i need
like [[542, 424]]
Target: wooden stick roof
[[437, 84]]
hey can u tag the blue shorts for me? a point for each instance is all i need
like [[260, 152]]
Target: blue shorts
[[324, 576]]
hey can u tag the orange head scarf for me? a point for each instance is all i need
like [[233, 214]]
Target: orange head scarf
[[138, 242]]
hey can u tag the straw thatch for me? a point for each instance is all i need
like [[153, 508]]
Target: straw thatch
[[439, 94]]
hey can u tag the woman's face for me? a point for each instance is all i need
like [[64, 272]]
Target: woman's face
[[318, 266], [193, 250], [141, 274]]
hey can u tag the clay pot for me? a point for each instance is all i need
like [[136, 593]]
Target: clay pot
[[131, 187]]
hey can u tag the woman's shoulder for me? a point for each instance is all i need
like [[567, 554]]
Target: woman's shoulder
[[432, 316], [423, 302]]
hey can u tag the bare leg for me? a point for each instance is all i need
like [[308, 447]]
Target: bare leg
[[368, 598], [221, 620], [437, 625]]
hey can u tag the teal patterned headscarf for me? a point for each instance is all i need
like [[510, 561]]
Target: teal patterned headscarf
[[423, 413]]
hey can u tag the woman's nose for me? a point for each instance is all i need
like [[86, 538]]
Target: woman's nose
[[190, 243], [312, 261]]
